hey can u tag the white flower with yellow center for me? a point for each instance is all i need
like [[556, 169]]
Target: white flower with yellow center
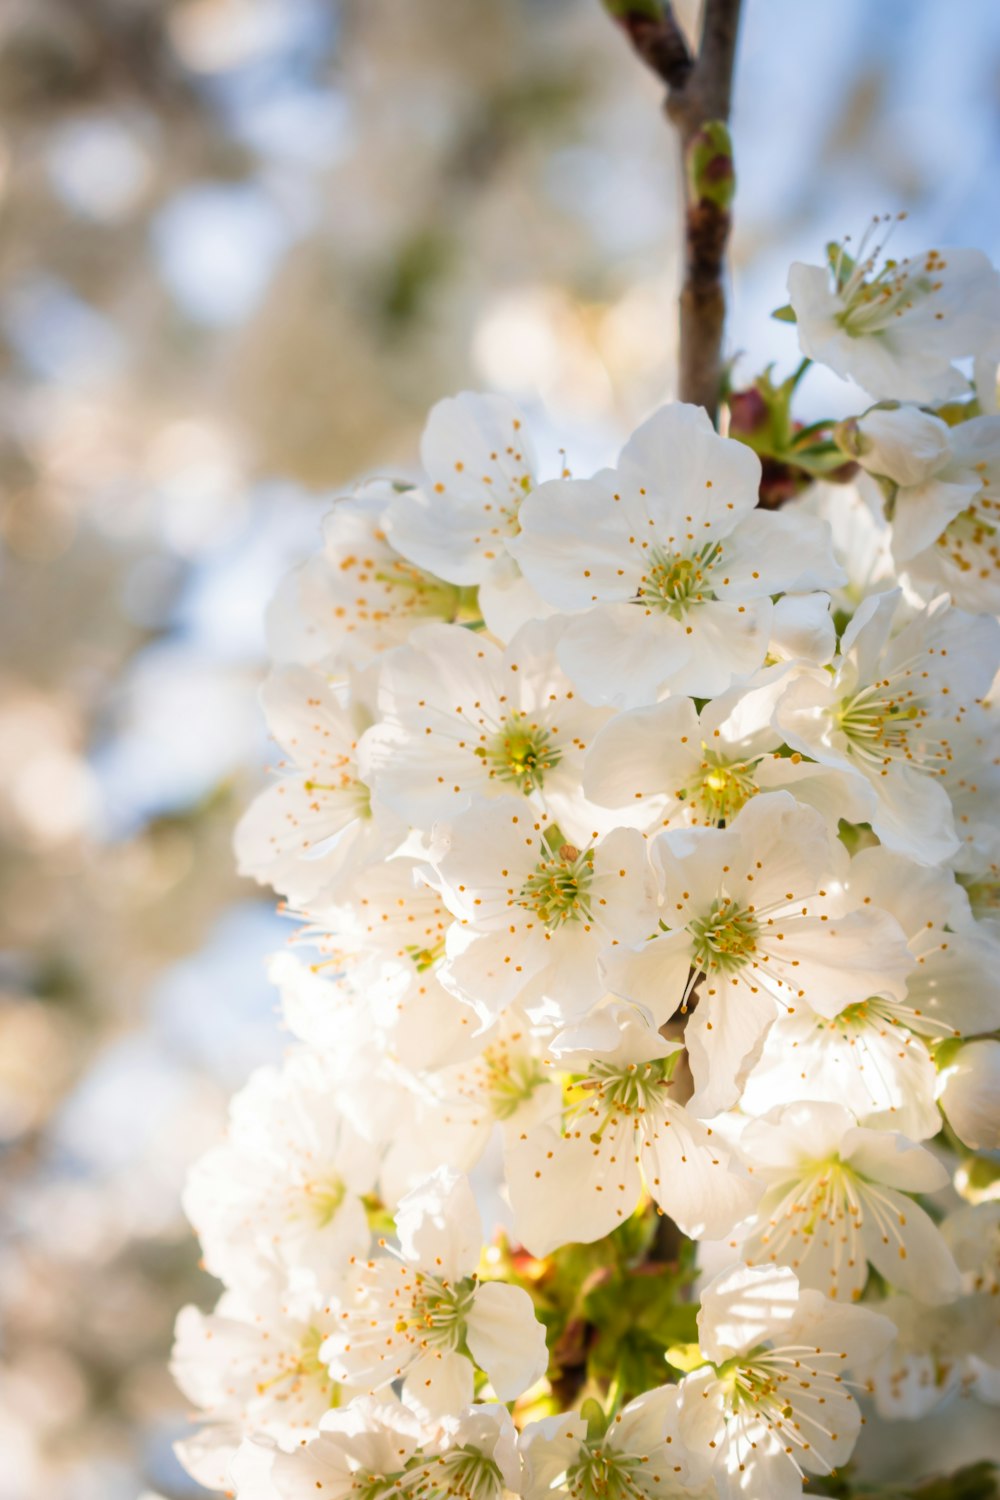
[[838, 1198], [897, 327], [890, 710], [669, 766], [383, 938], [622, 1129], [480, 465], [461, 718], [637, 1455], [250, 1367], [666, 565], [357, 597], [748, 908], [505, 1080], [316, 826], [773, 1404], [535, 913], [422, 1317], [377, 1449], [281, 1200], [945, 500]]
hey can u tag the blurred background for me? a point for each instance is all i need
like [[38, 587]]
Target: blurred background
[[244, 244]]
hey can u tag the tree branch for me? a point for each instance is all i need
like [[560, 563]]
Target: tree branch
[[698, 102]]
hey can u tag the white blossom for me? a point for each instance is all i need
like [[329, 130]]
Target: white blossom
[[665, 564], [889, 712], [625, 1129], [358, 596], [897, 328], [535, 913], [408, 1316], [462, 719], [747, 907], [639, 1456], [970, 1094], [316, 826], [773, 1404], [838, 1197]]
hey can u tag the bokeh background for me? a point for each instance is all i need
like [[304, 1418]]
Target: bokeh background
[[244, 244]]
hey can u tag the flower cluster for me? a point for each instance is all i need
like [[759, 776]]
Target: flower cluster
[[643, 850]]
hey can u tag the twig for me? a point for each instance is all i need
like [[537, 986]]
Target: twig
[[698, 103]]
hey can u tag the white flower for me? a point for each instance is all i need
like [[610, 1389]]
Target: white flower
[[281, 1198], [746, 906], [408, 1317], [384, 937], [624, 1128], [480, 465], [896, 329], [358, 597], [639, 1456], [461, 719], [926, 1362], [945, 504], [773, 1404], [666, 765], [865, 1058], [861, 537], [508, 1080], [890, 710], [252, 1368], [535, 912], [837, 1199], [316, 826], [377, 1448], [970, 1094], [666, 564]]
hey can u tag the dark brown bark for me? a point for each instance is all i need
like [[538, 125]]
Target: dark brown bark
[[699, 89]]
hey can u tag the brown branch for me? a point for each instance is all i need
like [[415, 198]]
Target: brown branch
[[698, 103]]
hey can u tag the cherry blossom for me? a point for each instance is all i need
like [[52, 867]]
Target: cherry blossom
[[665, 565]]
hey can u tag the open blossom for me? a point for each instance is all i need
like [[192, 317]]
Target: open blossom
[[357, 597], [773, 1404], [898, 327], [638, 1456], [504, 1080], [945, 499], [666, 565], [480, 465], [747, 907], [624, 1128], [281, 1200], [409, 1316], [838, 1197], [316, 826], [250, 1367], [534, 912], [377, 1447], [667, 765], [462, 719], [890, 710]]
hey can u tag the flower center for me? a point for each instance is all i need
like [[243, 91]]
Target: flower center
[[970, 540], [521, 753], [726, 938], [510, 1079], [632, 1090], [436, 1313], [873, 299], [460, 1474], [602, 1475], [878, 723], [558, 890], [675, 582], [324, 1199], [721, 787]]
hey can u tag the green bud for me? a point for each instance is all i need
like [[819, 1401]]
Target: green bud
[[593, 1414], [710, 171]]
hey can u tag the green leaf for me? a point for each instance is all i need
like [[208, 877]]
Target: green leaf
[[785, 314]]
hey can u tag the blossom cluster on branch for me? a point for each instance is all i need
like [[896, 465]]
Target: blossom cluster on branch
[[643, 843]]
